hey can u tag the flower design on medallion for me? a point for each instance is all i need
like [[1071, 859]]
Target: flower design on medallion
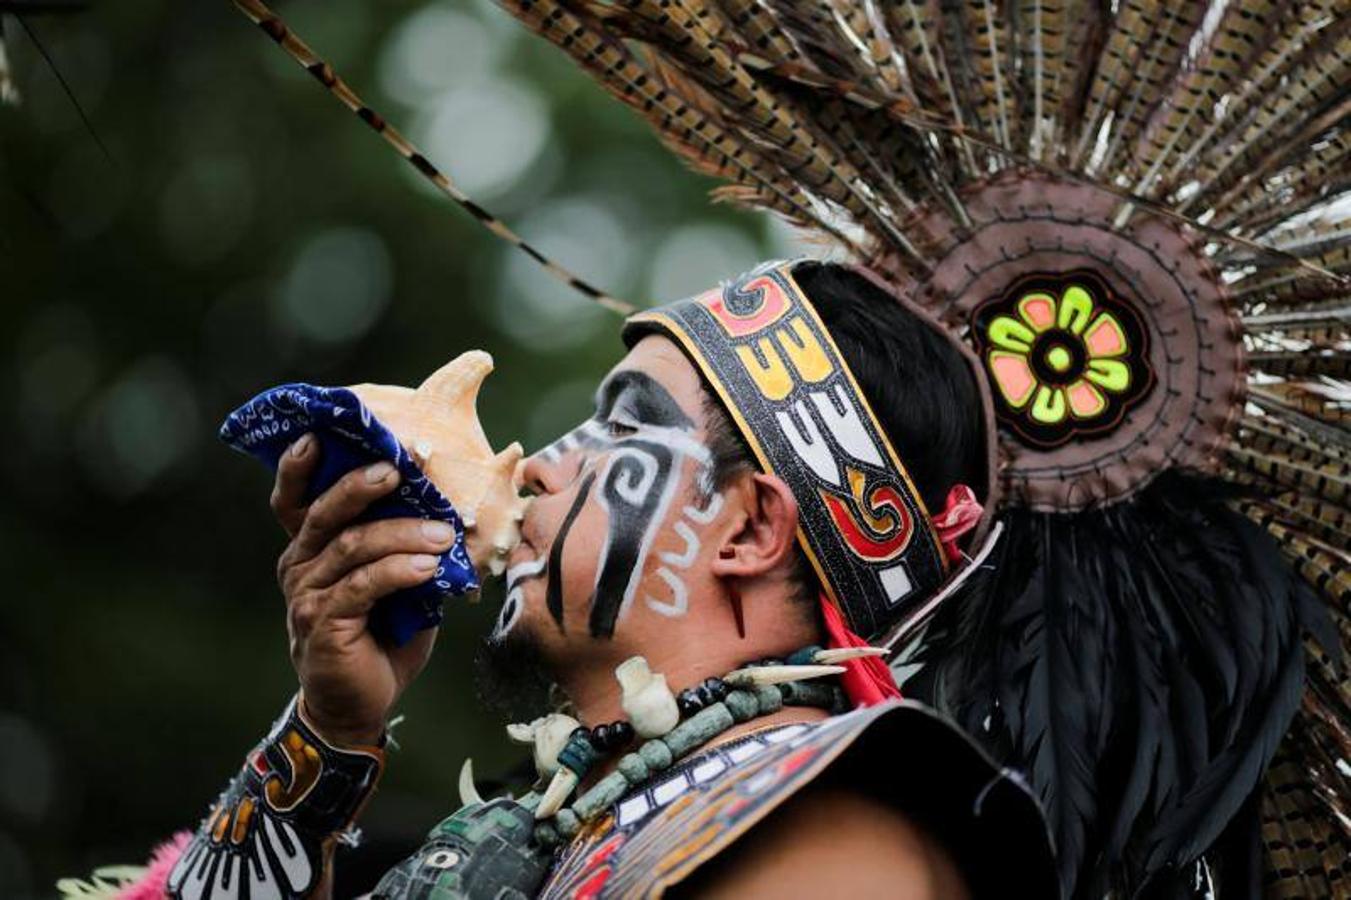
[[1065, 357]]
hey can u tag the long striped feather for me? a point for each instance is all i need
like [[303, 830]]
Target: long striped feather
[[1180, 121], [1281, 121], [1145, 45], [276, 29], [697, 137], [978, 42]]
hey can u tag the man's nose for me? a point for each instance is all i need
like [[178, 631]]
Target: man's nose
[[549, 472]]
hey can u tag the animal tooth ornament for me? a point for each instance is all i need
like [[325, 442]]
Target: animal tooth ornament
[[469, 794], [548, 735], [646, 699], [438, 423]]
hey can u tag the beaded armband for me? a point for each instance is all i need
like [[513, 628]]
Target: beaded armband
[[271, 826]]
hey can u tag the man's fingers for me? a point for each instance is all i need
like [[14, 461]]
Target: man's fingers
[[357, 545], [336, 507], [293, 474], [355, 594]]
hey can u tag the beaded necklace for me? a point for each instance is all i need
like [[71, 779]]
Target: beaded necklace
[[673, 727]]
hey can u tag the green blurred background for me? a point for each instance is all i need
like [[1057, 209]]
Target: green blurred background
[[243, 230]]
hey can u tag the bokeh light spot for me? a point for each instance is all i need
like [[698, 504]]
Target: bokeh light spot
[[583, 234], [696, 257], [433, 50], [338, 286], [144, 423], [486, 136]]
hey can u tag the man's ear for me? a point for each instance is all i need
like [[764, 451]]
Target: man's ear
[[762, 534]]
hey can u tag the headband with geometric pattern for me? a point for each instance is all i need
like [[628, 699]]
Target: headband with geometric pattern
[[767, 355]]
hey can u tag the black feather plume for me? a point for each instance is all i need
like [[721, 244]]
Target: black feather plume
[[1140, 663]]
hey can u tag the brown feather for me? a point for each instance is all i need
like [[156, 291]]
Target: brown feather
[[1146, 45], [1328, 481], [1280, 124]]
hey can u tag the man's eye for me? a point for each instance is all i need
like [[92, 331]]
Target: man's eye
[[617, 429]]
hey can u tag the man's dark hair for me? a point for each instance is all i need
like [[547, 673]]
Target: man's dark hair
[[919, 386]]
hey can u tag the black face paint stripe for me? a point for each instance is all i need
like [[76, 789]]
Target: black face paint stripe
[[631, 521], [554, 589], [649, 402]]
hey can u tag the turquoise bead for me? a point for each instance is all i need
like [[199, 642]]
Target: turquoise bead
[[742, 705], [698, 729], [768, 699], [634, 768], [656, 754], [599, 798], [567, 823]]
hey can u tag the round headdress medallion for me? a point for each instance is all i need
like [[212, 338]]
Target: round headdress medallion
[[1104, 332]]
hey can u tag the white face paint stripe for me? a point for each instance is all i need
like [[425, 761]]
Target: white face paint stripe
[[658, 516], [707, 514], [528, 569], [679, 596], [510, 613], [686, 559], [680, 442]]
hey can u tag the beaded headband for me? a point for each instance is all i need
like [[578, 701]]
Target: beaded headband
[[762, 347]]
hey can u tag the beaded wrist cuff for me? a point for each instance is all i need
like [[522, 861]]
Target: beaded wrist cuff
[[272, 824]]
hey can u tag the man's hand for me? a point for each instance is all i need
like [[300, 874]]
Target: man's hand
[[331, 574]]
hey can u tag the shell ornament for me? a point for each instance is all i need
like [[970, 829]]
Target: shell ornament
[[438, 423]]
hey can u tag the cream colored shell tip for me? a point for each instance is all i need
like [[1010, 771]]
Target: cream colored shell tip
[[438, 424]]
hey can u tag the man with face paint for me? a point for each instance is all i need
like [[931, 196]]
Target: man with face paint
[[735, 503]]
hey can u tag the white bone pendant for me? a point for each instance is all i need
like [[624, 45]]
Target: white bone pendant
[[560, 789], [646, 700], [439, 426], [548, 734], [844, 654], [760, 676], [469, 794]]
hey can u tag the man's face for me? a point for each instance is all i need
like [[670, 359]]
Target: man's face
[[615, 541]]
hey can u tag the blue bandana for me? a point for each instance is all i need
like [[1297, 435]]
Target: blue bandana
[[349, 438]]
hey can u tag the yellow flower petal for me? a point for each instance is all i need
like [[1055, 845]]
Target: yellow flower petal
[[1049, 407], [1076, 305], [1110, 374], [1038, 311], [1086, 401], [1013, 376], [1009, 333], [1105, 337]]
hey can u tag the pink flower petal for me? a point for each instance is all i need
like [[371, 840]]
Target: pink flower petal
[[1038, 310], [1086, 401], [1105, 337], [1013, 376]]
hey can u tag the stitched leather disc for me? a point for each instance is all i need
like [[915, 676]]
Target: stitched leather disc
[[1111, 351]]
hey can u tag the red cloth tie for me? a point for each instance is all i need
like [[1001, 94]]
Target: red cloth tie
[[867, 680], [961, 512]]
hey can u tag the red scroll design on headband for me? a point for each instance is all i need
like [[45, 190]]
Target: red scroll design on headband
[[749, 307], [888, 523]]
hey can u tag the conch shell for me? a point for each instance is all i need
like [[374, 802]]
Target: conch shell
[[438, 424]]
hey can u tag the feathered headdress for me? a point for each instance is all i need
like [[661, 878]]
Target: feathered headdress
[[1127, 211]]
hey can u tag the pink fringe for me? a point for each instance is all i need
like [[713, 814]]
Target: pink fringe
[[153, 885]]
